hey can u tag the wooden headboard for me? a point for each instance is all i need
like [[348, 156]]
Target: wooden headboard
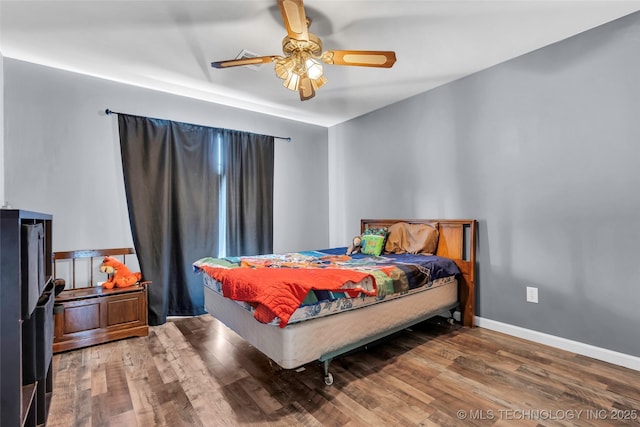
[[457, 241]]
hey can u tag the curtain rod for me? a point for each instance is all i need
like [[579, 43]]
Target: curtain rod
[[108, 112]]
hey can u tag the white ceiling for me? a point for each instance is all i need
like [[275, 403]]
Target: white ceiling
[[169, 45]]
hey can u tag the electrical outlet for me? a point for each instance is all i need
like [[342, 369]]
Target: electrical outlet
[[532, 294]]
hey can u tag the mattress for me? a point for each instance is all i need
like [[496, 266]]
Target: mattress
[[274, 286], [336, 305]]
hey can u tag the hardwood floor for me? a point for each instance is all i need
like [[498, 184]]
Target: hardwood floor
[[196, 372]]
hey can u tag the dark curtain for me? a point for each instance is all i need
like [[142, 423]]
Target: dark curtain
[[172, 174], [249, 188]]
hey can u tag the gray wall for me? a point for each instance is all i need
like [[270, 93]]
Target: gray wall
[[543, 150], [1, 119], [62, 156], [2, 199]]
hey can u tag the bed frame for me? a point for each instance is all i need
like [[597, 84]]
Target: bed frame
[[325, 338]]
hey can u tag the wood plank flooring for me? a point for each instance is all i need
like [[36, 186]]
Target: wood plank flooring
[[196, 372]]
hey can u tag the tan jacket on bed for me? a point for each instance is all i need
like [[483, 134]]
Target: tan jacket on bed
[[412, 238]]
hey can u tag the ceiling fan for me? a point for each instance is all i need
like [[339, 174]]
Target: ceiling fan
[[300, 67]]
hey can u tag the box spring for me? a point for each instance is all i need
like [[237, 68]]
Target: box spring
[[307, 341]]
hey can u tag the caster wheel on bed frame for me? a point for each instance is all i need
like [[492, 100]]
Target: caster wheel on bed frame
[[451, 321], [328, 379]]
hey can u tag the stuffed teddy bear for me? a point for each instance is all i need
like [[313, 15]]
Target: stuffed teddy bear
[[355, 246], [119, 274]]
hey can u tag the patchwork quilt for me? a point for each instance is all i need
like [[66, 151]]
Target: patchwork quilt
[[276, 285]]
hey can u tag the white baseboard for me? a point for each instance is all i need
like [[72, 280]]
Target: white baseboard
[[588, 350]]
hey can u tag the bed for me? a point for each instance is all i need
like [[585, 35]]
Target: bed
[[371, 301]]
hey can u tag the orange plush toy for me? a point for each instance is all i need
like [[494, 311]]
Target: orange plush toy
[[119, 274]]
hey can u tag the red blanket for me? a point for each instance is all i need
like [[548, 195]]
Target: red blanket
[[278, 292]]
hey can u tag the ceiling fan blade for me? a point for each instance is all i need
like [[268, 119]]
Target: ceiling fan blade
[[245, 61], [361, 58], [295, 20], [306, 89]]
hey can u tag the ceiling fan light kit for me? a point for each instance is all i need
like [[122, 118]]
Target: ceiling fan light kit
[[301, 67]]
